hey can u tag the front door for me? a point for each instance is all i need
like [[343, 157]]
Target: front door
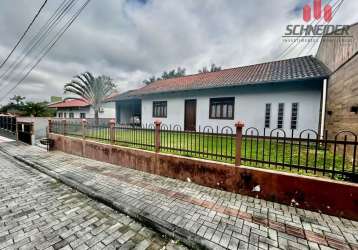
[[190, 115]]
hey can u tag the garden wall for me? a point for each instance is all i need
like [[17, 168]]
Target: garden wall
[[316, 194]]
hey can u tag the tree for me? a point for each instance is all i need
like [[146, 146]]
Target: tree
[[150, 80], [93, 89], [213, 68], [18, 99], [166, 75], [173, 73], [37, 109]]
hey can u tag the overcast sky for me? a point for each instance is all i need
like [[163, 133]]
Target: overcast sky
[[131, 40]]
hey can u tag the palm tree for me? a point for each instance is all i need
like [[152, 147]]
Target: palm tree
[[93, 89], [37, 109]]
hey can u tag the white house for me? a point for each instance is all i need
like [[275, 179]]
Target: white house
[[80, 108], [283, 94]]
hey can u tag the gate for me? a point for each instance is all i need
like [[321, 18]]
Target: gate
[[25, 132], [8, 123]]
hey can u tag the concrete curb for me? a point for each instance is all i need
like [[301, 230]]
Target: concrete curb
[[188, 238]]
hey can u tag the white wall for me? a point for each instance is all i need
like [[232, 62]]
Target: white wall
[[109, 111], [250, 104], [40, 125], [76, 112], [175, 110]]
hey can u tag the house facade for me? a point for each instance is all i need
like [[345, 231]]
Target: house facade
[[260, 107], [81, 109], [283, 94]]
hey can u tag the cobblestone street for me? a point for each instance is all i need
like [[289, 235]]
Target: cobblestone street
[[211, 218], [38, 212]]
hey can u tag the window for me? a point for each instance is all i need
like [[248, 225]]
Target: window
[[60, 114], [71, 115], [354, 109], [160, 109], [64, 115], [294, 113], [83, 115], [281, 107], [222, 108], [267, 115]]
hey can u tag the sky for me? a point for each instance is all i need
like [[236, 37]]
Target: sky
[[131, 40]]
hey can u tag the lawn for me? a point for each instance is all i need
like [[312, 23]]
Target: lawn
[[291, 156]]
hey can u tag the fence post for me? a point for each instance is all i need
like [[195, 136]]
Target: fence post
[[239, 125], [64, 126], [83, 128], [112, 133], [17, 133], [157, 135], [49, 128], [32, 133]]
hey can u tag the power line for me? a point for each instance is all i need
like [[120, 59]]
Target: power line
[[51, 45], [54, 41], [39, 37], [314, 42], [24, 34], [339, 2]]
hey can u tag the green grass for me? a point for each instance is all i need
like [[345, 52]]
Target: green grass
[[222, 148]]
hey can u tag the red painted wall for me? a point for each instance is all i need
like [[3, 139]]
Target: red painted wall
[[316, 194]]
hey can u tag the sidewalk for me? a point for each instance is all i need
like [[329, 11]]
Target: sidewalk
[[197, 215]]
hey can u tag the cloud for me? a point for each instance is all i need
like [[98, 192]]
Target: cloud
[[131, 40]]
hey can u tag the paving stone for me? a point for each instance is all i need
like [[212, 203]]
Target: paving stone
[[225, 219], [68, 219]]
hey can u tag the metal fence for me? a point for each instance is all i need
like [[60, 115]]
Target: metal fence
[[305, 152], [133, 136], [207, 143], [90, 121], [8, 123]]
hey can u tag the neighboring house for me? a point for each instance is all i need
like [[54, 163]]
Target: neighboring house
[[284, 94], [80, 108], [342, 93]]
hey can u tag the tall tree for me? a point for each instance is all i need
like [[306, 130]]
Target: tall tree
[[173, 73], [150, 80], [166, 75], [18, 99], [93, 89], [213, 68]]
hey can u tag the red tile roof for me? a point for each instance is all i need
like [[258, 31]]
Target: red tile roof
[[301, 68], [70, 103]]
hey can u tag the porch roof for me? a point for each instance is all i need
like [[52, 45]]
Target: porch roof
[[128, 95]]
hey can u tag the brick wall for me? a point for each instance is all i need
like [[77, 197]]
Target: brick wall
[[333, 52], [342, 93]]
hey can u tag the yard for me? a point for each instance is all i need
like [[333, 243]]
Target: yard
[[304, 157]]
